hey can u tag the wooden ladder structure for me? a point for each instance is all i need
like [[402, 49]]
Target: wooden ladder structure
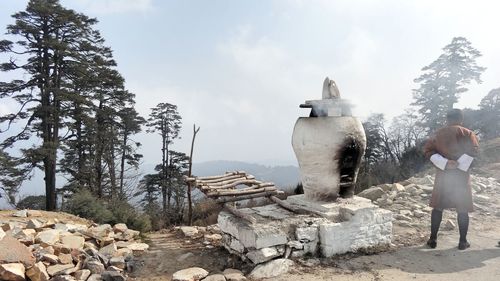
[[238, 186]]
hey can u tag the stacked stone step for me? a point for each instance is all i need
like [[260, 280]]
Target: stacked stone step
[[346, 227], [41, 249]]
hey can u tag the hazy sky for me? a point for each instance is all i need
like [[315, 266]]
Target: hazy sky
[[239, 69]]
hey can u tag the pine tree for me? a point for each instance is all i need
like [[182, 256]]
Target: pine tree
[[489, 112], [444, 80], [47, 46], [166, 121], [129, 125], [73, 98], [12, 174], [177, 167]]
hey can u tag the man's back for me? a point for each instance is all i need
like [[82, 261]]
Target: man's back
[[452, 142]]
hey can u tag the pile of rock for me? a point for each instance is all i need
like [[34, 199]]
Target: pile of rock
[[209, 234], [271, 269], [41, 249], [198, 273], [409, 199]]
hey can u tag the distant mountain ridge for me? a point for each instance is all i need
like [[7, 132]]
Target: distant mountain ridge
[[285, 177]]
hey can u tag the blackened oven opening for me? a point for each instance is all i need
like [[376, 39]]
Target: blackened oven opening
[[348, 158]]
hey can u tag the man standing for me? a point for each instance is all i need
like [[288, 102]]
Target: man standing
[[451, 150]]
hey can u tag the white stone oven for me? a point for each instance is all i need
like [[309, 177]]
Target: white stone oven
[[329, 145]]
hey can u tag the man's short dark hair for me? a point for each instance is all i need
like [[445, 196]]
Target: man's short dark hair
[[455, 115]]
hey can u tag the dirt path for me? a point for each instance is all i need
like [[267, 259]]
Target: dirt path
[[170, 251], [445, 263]]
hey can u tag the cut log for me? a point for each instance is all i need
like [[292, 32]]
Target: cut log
[[228, 183], [257, 184], [221, 181], [253, 187], [209, 178], [287, 206], [221, 176], [237, 192], [239, 214], [295, 209], [226, 199], [233, 184]]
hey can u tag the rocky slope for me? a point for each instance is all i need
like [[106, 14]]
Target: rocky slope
[[409, 200], [41, 246]]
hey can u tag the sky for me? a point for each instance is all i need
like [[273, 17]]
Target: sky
[[240, 69]]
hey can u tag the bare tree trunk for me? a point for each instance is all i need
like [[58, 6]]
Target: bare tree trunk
[[79, 147], [99, 151], [122, 163], [164, 171], [111, 165], [47, 108], [190, 203]]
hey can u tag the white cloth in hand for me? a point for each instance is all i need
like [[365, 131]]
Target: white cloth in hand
[[439, 161], [464, 162]]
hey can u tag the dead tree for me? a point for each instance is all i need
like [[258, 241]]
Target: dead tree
[[190, 203]]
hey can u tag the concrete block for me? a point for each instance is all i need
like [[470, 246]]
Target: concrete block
[[237, 246], [306, 233], [326, 209], [358, 213], [295, 245], [262, 255], [311, 247], [262, 236], [273, 212], [232, 244], [228, 223]]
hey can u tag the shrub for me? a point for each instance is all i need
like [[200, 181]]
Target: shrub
[[141, 222], [86, 205], [123, 212], [152, 210], [205, 212], [33, 202]]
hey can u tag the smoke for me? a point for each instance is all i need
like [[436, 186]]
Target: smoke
[[329, 107]]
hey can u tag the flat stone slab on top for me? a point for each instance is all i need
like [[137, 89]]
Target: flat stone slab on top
[[328, 209]]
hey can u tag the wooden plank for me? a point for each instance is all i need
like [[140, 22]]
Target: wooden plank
[[239, 214]]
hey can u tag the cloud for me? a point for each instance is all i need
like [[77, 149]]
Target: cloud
[[115, 6]]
